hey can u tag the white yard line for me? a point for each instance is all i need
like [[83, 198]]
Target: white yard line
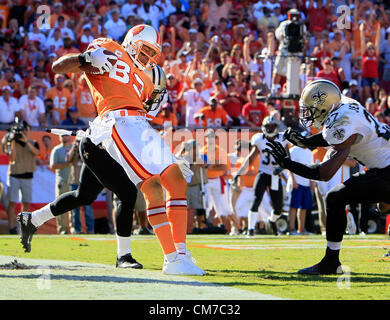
[[52, 279]]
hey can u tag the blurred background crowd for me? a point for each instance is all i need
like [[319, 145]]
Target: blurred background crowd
[[219, 57], [211, 48]]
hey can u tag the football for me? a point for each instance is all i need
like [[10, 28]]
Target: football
[[91, 69]]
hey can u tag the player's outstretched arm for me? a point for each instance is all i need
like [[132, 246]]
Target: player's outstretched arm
[[323, 171], [97, 61], [68, 63], [313, 141]]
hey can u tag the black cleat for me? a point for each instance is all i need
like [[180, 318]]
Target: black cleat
[[323, 268], [251, 233], [27, 229], [127, 261], [273, 227]]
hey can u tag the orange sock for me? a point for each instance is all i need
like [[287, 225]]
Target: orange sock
[[176, 204], [154, 198]]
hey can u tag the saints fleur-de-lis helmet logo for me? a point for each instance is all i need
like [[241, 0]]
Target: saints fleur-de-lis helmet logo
[[319, 96]]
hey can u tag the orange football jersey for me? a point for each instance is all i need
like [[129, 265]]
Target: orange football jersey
[[216, 118], [124, 86]]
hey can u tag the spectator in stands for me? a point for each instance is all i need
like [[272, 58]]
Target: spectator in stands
[[74, 180], [193, 100], [22, 152], [232, 104], [150, 13], [32, 109], [167, 116], [36, 35], [129, 8], [73, 119], [369, 62], [115, 26], [385, 59], [59, 163], [68, 47], [44, 156], [86, 37], [328, 72], [55, 41], [353, 86], [254, 111], [317, 14], [9, 106], [84, 101], [371, 106], [62, 99], [213, 115]]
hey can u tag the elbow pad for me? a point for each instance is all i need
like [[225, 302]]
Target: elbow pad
[[311, 172]]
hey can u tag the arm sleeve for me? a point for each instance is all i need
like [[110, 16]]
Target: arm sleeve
[[316, 140], [311, 172]]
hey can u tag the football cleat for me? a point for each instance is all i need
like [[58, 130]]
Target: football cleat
[[127, 261], [182, 266], [323, 268], [273, 227], [27, 229], [251, 233]]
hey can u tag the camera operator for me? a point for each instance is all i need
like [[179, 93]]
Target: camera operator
[[22, 152], [291, 35], [49, 111]]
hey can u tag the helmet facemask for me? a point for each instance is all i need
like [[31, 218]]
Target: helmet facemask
[[144, 54], [311, 116], [270, 127]]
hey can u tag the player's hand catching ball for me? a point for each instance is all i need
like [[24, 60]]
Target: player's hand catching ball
[[97, 61]]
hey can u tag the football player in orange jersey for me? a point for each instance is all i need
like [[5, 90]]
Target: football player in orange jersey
[[120, 77]]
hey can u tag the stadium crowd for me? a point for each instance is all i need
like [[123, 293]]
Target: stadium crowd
[[218, 56]]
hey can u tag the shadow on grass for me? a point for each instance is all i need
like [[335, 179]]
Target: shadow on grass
[[114, 279], [363, 278]]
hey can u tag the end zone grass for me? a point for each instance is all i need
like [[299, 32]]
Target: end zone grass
[[264, 264]]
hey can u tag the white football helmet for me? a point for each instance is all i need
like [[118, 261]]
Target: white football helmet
[[270, 126], [143, 44]]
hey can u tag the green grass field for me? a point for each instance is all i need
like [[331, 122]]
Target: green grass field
[[264, 264]]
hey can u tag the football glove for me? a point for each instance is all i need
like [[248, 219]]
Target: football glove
[[184, 166], [278, 152], [98, 59], [295, 137]]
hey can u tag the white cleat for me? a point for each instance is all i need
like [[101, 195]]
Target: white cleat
[[183, 266]]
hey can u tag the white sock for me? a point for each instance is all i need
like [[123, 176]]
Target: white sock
[[170, 256], [252, 219], [122, 245], [334, 245], [40, 216], [274, 216], [181, 247]]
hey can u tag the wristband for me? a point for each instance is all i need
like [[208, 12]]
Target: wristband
[[83, 59]]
